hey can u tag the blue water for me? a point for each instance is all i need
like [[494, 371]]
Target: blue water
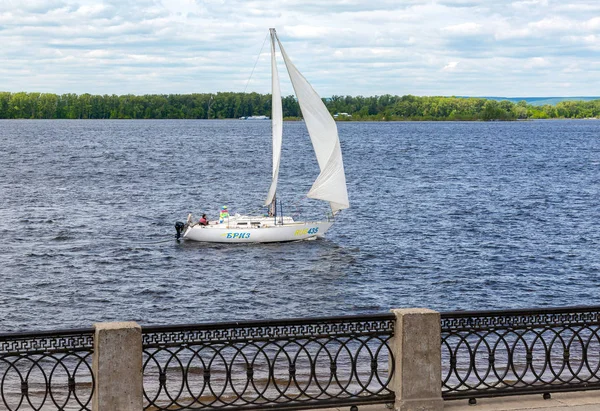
[[443, 215]]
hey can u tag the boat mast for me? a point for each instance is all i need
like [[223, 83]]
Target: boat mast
[[273, 207], [277, 127]]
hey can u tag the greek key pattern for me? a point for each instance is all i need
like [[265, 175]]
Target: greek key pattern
[[524, 319], [51, 343], [340, 362], [498, 353], [46, 372], [335, 327]]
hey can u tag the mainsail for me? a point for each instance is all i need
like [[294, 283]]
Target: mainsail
[[330, 185], [276, 121]]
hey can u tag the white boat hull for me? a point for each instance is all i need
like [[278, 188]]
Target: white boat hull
[[223, 233]]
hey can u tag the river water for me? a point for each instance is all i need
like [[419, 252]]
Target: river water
[[444, 215]]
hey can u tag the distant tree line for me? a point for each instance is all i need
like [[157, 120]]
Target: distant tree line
[[234, 105]]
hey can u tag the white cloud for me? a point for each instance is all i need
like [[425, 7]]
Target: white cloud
[[572, 68], [463, 29], [576, 7], [341, 46], [450, 66], [508, 33], [536, 62], [528, 4], [552, 24], [307, 32], [592, 24]]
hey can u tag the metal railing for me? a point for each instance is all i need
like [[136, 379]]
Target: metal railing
[[47, 370], [312, 362], [292, 364], [498, 353]]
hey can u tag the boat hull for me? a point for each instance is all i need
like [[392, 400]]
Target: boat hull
[[220, 233]]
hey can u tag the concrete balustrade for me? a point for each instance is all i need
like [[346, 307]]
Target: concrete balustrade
[[117, 367], [418, 360]]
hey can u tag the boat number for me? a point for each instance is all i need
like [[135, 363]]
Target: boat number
[[238, 235], [313, 230]]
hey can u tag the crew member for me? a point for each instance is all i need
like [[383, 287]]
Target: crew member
[[224, 214], [203, 220]]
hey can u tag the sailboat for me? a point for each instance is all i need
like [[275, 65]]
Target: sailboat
[[330, 185]]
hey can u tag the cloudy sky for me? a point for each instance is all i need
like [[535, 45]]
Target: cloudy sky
[[343, 47]]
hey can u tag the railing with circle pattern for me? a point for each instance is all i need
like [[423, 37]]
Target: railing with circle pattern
[[47, 370], [310, 363], [297, 363], [499, 353]]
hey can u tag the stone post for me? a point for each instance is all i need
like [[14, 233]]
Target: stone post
[[117, 367], [417, 352]]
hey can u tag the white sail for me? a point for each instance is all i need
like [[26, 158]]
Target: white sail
[[276, 121], [330, 185]]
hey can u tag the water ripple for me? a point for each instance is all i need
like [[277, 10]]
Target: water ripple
[[444, 215]]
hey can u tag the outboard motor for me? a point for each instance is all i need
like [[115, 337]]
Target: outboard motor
[[179, 226]]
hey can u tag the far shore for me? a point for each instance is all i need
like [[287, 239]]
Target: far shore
[[441, 120], [257, 107]]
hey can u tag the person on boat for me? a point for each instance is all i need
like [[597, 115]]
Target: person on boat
[[224, 214], [203, 220]]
